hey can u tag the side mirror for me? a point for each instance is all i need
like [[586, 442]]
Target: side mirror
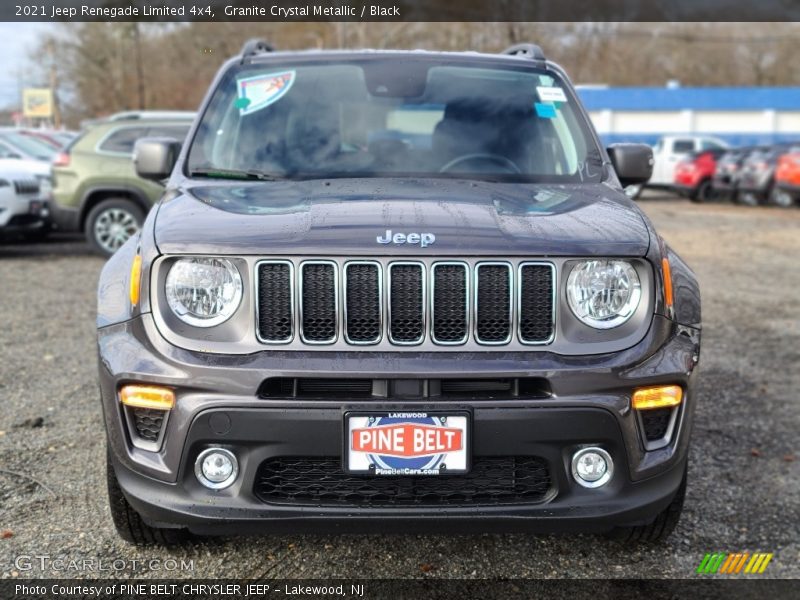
[[154, 157], [632, 162]]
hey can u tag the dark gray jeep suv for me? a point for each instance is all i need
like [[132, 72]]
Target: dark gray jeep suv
[[394, 291]]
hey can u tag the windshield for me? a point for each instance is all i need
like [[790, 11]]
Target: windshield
[[390, 117], [29, 146]]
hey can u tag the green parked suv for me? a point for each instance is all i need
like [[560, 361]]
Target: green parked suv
[[95, 187]]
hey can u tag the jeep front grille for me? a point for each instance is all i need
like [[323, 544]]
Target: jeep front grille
[[535, 302], [493, 305], [26, 187], [318, 302], [450, 306], [405, 303], [363, 302], [275, 301]]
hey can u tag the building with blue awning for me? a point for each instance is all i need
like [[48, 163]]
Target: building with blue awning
[[738, 115]]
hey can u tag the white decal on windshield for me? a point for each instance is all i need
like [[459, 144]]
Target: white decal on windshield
[[259, 91], [551, 94]]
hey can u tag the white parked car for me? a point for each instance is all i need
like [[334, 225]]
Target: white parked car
[[23, 209], [668, 152]]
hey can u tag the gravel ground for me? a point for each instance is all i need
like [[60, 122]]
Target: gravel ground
[[744, 491]]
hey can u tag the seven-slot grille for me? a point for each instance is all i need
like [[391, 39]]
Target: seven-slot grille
[[26, 186], [406, 302]]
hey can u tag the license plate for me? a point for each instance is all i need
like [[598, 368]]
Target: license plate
[[407, 443]]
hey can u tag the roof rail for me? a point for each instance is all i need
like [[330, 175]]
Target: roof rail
[[254, 47], [531, 51], [133, 115]]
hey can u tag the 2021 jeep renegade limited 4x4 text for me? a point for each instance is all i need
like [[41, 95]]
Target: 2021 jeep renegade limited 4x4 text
[[395, 290]]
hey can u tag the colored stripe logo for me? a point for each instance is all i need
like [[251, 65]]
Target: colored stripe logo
[[734, 564]]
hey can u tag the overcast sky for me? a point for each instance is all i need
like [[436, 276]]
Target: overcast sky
[[18, 40]]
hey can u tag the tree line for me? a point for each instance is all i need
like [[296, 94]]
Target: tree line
[[102, 68]]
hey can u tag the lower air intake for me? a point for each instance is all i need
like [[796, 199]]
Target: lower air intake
[[148, 423], [321, 481]]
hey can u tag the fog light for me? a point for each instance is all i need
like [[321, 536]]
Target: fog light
[[216, 468], [592, 467]]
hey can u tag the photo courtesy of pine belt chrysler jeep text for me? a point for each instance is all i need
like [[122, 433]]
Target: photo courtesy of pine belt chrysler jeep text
[[395, 291]]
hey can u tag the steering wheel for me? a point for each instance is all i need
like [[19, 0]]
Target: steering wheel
[[496, 158]]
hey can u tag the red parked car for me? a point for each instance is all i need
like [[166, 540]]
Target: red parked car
[[787, 178], [694, 174]]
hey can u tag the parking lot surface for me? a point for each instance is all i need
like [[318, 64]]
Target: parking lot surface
[[744, 486]]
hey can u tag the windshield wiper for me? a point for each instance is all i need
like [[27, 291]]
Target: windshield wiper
[[252, 174]]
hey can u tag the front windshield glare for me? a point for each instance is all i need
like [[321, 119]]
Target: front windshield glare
[[385, 117]]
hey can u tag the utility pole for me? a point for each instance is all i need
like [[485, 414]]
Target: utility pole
[[51, 51], [137, 46]]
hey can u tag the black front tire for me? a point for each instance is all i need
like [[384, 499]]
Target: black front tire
[[659, 528], [129, 524], [703, 193]]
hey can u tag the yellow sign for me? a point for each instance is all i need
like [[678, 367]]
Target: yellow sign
[[37, 103]]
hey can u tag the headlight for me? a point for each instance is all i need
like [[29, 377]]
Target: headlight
[[603, 293], [203, 291], [45, 184]]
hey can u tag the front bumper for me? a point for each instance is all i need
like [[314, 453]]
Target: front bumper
[[28, 216], [589, 405]]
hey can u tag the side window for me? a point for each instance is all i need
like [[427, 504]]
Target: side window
[[122, 140], [683, 146], [177, 132], [710, 145]]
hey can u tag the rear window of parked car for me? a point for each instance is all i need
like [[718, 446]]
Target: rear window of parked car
[[122, 140]]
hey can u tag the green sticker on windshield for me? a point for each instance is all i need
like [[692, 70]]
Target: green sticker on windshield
[[259, 91]]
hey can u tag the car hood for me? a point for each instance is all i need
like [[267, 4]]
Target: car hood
[[347, 216], [21, 165]]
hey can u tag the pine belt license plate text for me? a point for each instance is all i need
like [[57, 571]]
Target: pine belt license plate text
[[407, 443]]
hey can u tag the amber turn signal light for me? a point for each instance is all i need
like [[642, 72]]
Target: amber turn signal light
[[665, 270], [136, 279], [664, 396], [147, 396]]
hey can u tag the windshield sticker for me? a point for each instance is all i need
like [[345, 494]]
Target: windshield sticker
[[551, 94], [259, 91], [545, 110]]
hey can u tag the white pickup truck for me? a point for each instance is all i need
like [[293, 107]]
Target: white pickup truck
[[667, 153]]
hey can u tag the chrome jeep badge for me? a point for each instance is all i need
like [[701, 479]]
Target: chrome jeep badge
[[423, 239]]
